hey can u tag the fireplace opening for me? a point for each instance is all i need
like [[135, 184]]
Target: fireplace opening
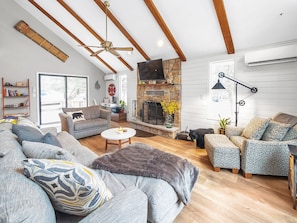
[[152, 113]]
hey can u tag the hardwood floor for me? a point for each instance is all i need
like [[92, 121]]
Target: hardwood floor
[[220, 196]]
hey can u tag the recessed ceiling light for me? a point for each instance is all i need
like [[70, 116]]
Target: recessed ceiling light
[[160, 43]]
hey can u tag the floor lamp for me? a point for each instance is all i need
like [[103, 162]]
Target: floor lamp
[[218, 85]]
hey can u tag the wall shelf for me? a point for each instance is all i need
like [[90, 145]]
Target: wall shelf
[[16, 99]]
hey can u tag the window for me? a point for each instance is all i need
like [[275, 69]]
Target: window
[[123, 88], [221, 100], [58, 91]]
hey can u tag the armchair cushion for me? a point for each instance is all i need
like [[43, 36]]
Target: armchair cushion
[[275, 131], [291, 134], [255, 128]]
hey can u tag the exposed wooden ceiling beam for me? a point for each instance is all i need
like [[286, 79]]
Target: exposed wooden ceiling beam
[[151, 6], [92, 31], [223, 20], [69, 33], [121, 28]]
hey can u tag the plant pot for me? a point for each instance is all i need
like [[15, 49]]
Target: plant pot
[[222, 131]]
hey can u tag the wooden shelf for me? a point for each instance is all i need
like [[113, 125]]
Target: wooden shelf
[[10, 102]]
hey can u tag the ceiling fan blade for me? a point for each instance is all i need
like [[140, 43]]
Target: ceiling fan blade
[[112, 50], [90, 46], [97, 52], [123, 48]]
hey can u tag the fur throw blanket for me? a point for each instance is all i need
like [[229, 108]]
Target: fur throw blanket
[[142, 160]]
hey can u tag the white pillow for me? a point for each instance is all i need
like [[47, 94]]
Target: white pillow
[[76, 115]]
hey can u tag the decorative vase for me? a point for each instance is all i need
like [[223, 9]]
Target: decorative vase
[[169, 120]]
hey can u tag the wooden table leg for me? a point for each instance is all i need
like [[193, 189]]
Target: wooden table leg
[[120, 144], [105, 144], [129, 140]]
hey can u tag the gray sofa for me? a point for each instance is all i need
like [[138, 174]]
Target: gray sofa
[[135, 198], [85, 121], [264, 144]]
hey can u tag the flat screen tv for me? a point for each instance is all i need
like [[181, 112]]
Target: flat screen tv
[[151, 70]]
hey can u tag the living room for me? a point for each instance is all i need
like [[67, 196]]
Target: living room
[[22, 59]]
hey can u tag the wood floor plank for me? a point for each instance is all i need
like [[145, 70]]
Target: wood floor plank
[[219, 196]]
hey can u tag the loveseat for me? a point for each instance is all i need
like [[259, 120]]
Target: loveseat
[[264, 144], [134, 198], [85, 121]]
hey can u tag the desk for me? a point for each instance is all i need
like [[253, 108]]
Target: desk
[[293, 173]]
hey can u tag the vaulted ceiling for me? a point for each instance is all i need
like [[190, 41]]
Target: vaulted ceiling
[[165, 28]]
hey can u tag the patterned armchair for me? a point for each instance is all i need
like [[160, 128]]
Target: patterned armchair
[[264, 144]]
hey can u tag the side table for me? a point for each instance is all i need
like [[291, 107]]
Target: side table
[[292, 179]]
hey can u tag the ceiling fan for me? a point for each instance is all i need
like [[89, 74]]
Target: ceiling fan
[[107, 45]]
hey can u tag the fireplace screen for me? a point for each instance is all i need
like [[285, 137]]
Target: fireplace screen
[[152, 113]]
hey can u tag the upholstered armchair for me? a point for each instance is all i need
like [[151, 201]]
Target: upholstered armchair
[[264, 145]]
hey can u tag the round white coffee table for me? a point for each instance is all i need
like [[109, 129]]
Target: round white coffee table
[[114, 135]]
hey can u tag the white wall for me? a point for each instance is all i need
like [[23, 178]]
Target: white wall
[[277, 90], [21, 58]]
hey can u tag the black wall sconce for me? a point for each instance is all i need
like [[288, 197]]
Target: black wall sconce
[[219, 85]]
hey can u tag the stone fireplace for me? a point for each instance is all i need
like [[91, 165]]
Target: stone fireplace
[[151, 93]]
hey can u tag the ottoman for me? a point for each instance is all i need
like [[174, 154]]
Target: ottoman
[[222, 152]]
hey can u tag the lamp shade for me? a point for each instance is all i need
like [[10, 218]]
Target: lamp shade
[[218, 85]]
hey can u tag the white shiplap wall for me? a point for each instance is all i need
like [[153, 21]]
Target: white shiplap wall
[[277, 90]]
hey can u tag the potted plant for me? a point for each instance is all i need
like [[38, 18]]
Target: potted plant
[[223, 123], [123, 104]]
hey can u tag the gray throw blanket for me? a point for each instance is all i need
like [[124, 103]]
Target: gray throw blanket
[[142, 160]]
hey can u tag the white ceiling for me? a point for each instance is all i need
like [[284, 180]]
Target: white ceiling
[[193, 23]]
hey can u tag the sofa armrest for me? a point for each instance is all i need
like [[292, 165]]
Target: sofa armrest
[[106, 114], [66, 123], [233, 131], [52, 130], [128, 206]]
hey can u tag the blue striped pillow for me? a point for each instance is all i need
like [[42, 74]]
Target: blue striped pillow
[[72, 187]]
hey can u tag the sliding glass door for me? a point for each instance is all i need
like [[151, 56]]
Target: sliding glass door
[[58, 91]]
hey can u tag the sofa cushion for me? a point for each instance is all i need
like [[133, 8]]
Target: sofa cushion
[[90, 112], [39, 150], [275, 131], [255, 128], [72, 187], [291, 134], [27, 122], [90, 123], [28, 133]]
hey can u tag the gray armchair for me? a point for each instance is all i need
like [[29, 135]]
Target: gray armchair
[[263, 155]]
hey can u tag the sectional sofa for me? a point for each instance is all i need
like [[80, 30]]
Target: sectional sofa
[[25, 195]]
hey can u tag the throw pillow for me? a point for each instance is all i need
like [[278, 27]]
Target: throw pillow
[[275, 131], [40, 150], [76, 115], [291, 134], [28, 133], [73, 188], [255, 128]]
